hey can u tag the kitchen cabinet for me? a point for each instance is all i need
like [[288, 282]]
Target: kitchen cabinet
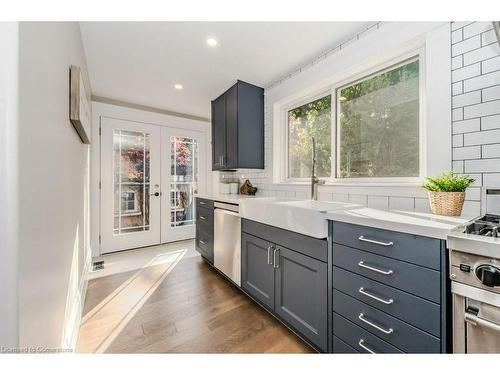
[[289, 283], [238, 128], [390, 291], [205, 229]]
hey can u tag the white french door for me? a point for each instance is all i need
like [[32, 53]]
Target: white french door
[[186, 173], [149, 175]]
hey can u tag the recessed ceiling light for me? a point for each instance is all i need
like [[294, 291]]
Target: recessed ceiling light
[[178, 86], [212, 42]]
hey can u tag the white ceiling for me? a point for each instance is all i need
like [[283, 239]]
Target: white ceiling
[[139, 62]]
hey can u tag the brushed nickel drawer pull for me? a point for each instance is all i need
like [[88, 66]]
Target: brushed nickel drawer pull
[[269, 257], [362, 238], [362, 344], [203, 217], [202, 242], [389, 301], [383, 272], [202, 203], [383, 330]]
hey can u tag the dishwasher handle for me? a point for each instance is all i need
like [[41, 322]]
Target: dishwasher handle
[[477, 321]]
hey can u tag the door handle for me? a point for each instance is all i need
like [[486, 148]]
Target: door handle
[[276, 261], [372, 296], [383, 330], [383, 272], [157, 194], [269, 258]]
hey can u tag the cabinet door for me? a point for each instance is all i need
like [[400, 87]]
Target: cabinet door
[[231, 157], [257, 274], [218, 131], [301, 295]]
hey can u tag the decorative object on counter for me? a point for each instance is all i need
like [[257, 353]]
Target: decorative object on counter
[[447, 193], [247, 188], [226, 181]]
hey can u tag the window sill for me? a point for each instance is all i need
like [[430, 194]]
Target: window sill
[[352, 184]]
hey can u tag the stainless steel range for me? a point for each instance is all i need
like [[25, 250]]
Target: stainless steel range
[[475, 275]]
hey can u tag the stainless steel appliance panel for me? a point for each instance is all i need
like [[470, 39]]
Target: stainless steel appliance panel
[[227, 243]]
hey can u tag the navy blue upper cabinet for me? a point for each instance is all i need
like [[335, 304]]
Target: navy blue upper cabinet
[[238, 128]]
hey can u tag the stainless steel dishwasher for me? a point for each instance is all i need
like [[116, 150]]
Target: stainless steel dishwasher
[[227, 240]]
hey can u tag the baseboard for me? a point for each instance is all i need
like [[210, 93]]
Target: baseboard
[[74, 317]]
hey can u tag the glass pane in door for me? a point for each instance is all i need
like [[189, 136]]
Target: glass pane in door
[[131, 179], [184, 180]]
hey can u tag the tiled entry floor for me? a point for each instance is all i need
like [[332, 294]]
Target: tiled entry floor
[[175, 303]]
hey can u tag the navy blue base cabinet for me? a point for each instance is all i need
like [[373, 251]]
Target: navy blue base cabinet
[[390, 292], [287, 273]]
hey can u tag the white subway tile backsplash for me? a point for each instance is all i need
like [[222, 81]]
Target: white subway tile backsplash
[[358, 198], [490, 65], [466, 72], [488, 37], [458, 140], [483, 53], [458, 166], [485, 80], [482, 166], [459, 24], [482, 137], [466, 45], [457, 88], [338, 197], [457, 36], [473, 194], [378, 202], [476, 28], [491, 93], [463, 153], [422, 205], [469, 98], [490, 122], [324, 196], [457, 114], [457, 62], [483, 109], [491, 151], [478, 180], [491, 179], [467, 126], [402, 203], [471, 208]]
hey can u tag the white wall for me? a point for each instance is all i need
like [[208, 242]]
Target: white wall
[[53, 187], [370, 49], [141, 116], [9, 33], [476, 105]]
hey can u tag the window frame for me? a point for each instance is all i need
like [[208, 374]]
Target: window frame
[[135, 200], [388, 66], [332, 89]]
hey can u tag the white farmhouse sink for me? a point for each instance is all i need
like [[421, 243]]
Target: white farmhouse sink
[[305, 217]]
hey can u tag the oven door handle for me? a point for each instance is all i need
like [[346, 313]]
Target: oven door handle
[[475, 320]]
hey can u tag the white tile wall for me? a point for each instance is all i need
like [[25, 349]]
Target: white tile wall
[[476, 127]]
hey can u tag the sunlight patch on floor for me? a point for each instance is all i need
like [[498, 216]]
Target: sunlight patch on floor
[[101, 325]]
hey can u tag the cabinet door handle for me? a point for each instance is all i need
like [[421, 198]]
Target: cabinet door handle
[[383, 330], [202, 242], [276, 262], [362, 238], [383, 272], [269, 257], [362, 344], [203, 217], [372, 296], [202, 203]]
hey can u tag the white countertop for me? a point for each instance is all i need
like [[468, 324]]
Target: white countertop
[[227, 198], [418, 223]]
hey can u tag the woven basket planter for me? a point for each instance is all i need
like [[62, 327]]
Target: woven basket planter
[[446, 203]]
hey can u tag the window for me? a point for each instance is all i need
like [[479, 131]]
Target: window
[[309, 120], [129, 203], [378, 125]]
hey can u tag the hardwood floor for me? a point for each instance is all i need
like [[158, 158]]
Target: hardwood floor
[[181, 305]]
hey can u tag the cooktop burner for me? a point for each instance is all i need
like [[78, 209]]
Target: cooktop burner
[[488, 226]]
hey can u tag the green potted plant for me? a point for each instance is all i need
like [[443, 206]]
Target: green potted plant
[[447, 193]]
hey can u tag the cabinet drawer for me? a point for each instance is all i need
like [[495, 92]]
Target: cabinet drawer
[[205, 203], [394, 331], [204, 244], [356, 337], [411, 278], [205, 217], [313, 247], [407, 307], [419, 250], [340, 347]]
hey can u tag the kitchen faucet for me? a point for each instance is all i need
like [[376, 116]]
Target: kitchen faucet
[[315, 181]]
